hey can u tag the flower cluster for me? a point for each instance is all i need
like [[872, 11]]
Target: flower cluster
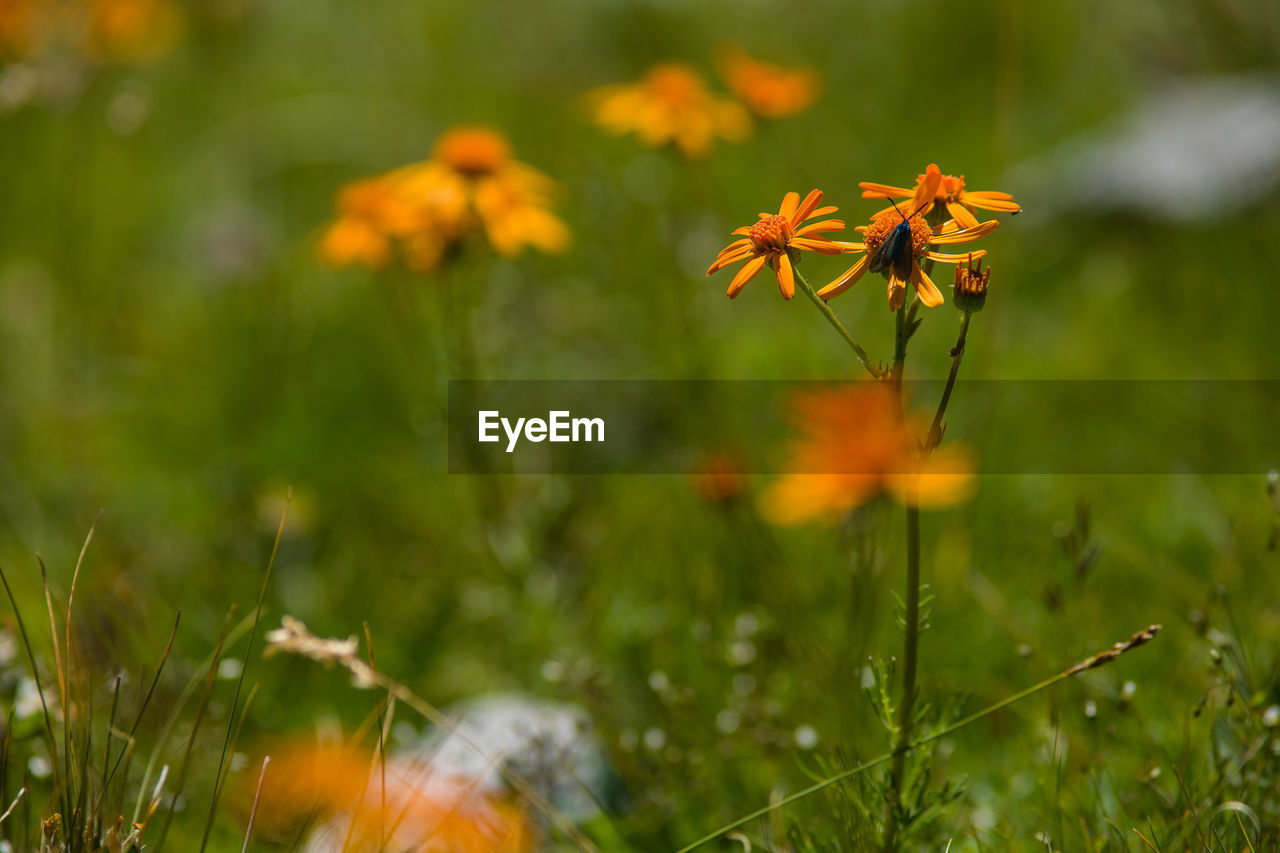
[[123, 32], [672, 104], [896, 242], [421, 212]]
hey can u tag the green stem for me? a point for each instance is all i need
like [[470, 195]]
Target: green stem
[[863, 358], [911, 641], [899, 349], [910, 663], [876, 762], [957, 353]]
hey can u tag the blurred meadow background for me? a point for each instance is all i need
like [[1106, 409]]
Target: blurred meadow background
[[177, 354]]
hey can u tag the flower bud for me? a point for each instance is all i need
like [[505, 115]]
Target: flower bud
[[970, 288]]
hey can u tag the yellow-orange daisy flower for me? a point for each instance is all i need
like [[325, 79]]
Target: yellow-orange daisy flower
[[922, 240], [770, 91], [854, 445], [670, 105], [772, 240], [960, 204]]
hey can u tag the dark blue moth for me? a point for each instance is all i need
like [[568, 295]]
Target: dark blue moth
[[895, 251]]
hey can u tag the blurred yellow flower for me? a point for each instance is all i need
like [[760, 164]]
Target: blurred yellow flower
[[922, 240], [960, 203], [770, 91], [515, 210], [670, 105], [775, 237], [420, 212], [854, 445]]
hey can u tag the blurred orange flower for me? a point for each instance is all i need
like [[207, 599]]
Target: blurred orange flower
[[923, 239], [719, 478], [854, 445], [670, 104], [128, 32], [770, 91], [773, 239], [426, 209], [416, 810], [132, 32], [960, 203], [371, 213], [18, 27]]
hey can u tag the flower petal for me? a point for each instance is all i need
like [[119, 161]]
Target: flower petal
[[961, 215], [946, 258], [748, 271], [925, 288], [821, 245], [786, 275], [741, 232], [927, 189], [806, 208], [872, 190], [729, 260], [846, 280], [824, 225], [986, 195], [948, 238], [823, 211], [789, 203], [897, 290], [997, 204], [733, 247]]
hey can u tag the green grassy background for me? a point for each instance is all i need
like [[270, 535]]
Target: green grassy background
[[172, 352]]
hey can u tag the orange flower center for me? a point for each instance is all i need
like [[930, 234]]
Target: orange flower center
[[880, 229], [473, 150], [772, 233], [951, 189]]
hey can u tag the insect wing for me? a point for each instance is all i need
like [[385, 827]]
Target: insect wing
[[894, 252]]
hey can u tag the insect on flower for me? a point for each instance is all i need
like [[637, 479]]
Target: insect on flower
[[895, 251], [895, 243]]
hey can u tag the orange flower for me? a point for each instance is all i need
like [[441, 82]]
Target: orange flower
[[853, 446], [425, 209], [417, 809], [19, 21], [719, 478], [670, 104], [923, 239], [132, 31], [770, 91], [960, 203], [371, 213], [775, 237]]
